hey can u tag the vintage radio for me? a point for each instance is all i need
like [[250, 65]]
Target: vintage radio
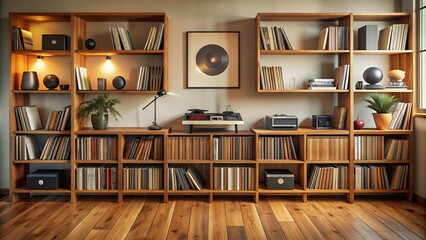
[[55, 42], [281, 122], [322, 121]]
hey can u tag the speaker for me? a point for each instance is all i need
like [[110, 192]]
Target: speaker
[[322, 121]]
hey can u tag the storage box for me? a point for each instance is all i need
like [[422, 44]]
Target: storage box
[[55, 42], [45, 179], [279, 179]]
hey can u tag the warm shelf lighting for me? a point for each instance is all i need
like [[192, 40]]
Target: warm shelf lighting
[[39, 58], [108, 57]]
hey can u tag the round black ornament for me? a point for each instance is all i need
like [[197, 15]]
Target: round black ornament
[[90, 44], [51, 81], [119, 82]]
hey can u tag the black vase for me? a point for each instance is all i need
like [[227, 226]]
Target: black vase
[[29, 81], [51, 81], [119, 82]]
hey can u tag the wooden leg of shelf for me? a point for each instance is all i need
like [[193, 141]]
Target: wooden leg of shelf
[[120, 198], [165, 198], [304, 198], [410, 197], [73, 198], [210, 197], [256, 198], [350, 198]]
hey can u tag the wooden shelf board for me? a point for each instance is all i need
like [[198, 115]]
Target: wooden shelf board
[[380, 191], [44, 17], [44, 53], [97, 192], [57, 191], [297, 190], [128, 161], [118, 52], [189, 192], [381, 52], [280, 161], [303, 52], [327, 161], [145, 192], [234, 161], [379, 16], [174, 161], [116, 91], [301, 16], [42, 91], [303, 91], [40, 161], [210, 132], [327, 191], [371, 131], [121, 130], [234, 192], [43, 132], [97, 161], [301, 131], [381, 161], [122, 17], [383, 91]]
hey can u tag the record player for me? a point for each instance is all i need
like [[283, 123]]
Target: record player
[[200, 117]]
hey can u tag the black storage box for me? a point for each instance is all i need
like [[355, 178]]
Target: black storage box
[[55, 42], [279, 179], [45, 179]]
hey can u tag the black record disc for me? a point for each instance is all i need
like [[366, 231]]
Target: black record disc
[[212, 59]]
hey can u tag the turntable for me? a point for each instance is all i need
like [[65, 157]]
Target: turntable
[[200, 117]]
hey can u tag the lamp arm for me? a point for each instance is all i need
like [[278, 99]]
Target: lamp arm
[[155, 98]]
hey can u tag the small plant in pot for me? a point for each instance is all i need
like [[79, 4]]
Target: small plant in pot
[[98, 109], [384, 105]]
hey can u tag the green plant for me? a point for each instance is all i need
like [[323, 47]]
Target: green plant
[[99, 105], [382, 103]]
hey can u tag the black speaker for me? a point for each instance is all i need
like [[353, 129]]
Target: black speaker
[[321, 121]]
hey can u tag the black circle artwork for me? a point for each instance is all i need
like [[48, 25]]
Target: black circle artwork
[[90, 44], [119, 82], [212, 59], [51, 81]]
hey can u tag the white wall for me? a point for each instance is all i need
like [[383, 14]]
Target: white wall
[[420, 156], [187, 15]]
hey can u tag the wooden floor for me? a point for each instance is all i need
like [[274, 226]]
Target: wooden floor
[[226, 218]]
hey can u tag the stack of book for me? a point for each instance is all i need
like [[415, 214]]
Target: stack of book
[[121, 39], [150, 78], [22, 39], [27, 118], [155, 36], [341, 77], [272, 148], [334, 148], [370, 176], [189, 148], [393, 37], [368, 147], [321, 84], [142, 177], [96, 177], [185, 179], [82, 78], [271, 78], [57, 148], [274, 38], [234, 178], [396, 149], [328, 177], [96, 148], [333, 38], [144, 148], [59, 120], [26, 147], [233, 148], [399, 177], [401, 117]]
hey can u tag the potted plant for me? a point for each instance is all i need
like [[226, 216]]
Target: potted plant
[[384, 105], [98, 109]]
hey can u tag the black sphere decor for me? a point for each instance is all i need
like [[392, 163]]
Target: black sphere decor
[[373, 75], [51, 81], [90, 44], [119, 82]]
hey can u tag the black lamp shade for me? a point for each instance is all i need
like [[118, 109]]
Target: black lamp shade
[[161, 92]]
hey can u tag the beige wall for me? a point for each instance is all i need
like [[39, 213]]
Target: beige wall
[[187, 15]]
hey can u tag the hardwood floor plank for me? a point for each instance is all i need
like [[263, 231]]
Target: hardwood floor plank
[[236, 232], [252, 223], [198, 225], [161, 222], [96, 234], [320, 221], [110, 218], [292, 231], [280, 211], [414, 211], [351, 219], [270, 224], [180, 221], [233, 213], [345, 229], [27, 226], [89, 222], [372, 222], [305, 224], [403, 219], [217, 222], [14, 210], [386, 219], [126, 220], [143, 222]]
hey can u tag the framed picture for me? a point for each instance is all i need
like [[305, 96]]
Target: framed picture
[[213, 59]]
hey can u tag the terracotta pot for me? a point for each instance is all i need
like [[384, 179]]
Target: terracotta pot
[[382, 120]]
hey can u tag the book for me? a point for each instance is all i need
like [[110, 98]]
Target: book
[[368, 37], [323, 39], [339, 117], [385, 38]]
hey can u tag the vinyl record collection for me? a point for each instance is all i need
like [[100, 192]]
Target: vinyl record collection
[[142, 177], [26, 147], [144, 148], [96, 177], [57, 148], [150, 78], [272, 148], [235, 178], [96, 148], [185, 178], [328, 177], [189, 148], [27, 118], [233, 148], [368, 147]]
